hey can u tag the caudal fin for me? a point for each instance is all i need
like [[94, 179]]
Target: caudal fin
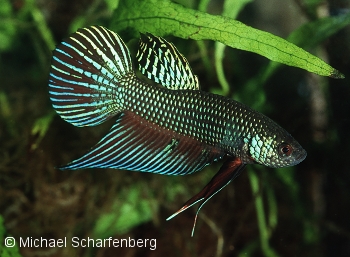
[[88, 72]]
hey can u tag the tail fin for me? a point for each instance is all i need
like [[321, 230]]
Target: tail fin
[[88, 73]]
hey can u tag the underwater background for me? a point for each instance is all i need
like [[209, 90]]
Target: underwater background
[[297, 211]]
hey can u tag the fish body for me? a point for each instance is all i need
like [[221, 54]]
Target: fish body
[[214, 120], [171, 127]]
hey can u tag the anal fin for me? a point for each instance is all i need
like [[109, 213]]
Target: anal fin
[[134, 143], [228, 172]]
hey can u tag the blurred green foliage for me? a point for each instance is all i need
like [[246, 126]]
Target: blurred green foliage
[[137, 202], [4, 250], [129, 210], [7, 26]]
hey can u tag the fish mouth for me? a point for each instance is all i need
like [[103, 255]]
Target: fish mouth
[[300, 155]]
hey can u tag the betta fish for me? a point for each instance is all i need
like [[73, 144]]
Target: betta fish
[[168, 127]]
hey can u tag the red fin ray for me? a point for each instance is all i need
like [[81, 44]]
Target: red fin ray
[[228, 172]]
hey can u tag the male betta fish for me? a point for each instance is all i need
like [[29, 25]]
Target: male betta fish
[[170, 127]]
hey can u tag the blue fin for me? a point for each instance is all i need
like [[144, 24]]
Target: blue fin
[[88, 72], [133, 143], [161, 62]]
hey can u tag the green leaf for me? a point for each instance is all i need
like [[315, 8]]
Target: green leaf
[[306, 36], [313, 33], [162, 17], [260, 213], [231, 10]]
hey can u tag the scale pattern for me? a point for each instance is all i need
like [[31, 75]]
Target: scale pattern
[[187, 112], [92, 79], [171, 128], [212, 119]]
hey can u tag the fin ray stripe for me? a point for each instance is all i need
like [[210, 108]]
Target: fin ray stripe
[[161, 151], [88, 72], [166, 65]]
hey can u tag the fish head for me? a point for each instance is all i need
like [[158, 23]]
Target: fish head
[[275, 150]]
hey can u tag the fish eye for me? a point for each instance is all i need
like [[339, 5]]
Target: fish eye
[[285, 149]]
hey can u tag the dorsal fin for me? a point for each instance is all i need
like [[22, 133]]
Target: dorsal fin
[[161, 62], [133, 143]]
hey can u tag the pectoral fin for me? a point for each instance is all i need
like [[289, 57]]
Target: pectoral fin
[[228, 172]]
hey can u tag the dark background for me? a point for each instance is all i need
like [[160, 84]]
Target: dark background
[[306, 207]]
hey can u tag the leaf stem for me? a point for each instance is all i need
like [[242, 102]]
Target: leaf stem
[[259, 206]]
